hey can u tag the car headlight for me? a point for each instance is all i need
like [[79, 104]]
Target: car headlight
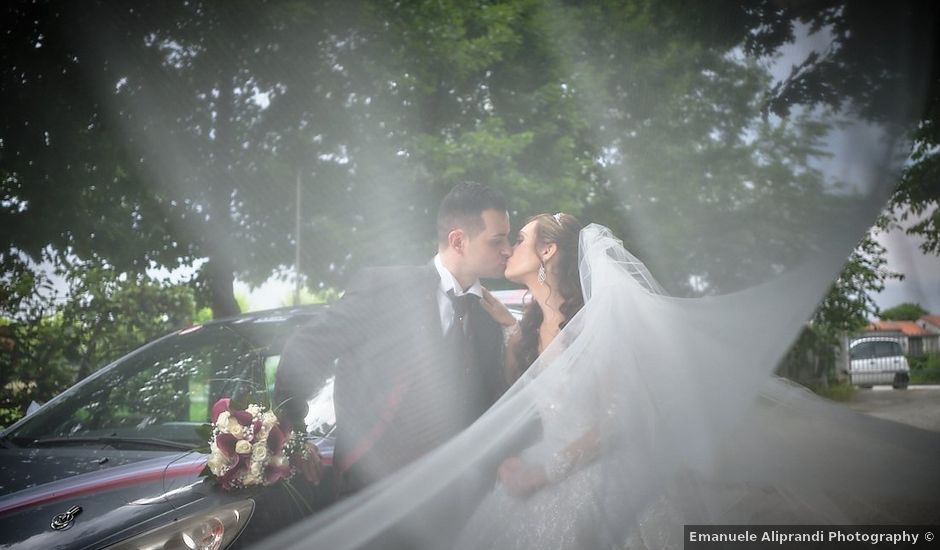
[[203, 531]]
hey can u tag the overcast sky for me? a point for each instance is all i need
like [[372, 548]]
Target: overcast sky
[[922, 273]]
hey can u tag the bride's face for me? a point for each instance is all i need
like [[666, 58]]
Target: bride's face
[[523, 265]]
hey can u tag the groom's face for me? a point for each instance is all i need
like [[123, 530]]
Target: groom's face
[[486, 252]]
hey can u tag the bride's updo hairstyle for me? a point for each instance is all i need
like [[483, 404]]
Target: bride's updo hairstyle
[[562, 230]]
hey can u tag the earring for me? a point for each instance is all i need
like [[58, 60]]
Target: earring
[[542, 274]]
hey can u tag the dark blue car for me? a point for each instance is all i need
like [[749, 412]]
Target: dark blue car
[[110, 463]]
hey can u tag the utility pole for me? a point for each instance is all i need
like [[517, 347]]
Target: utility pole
[[298, 210]]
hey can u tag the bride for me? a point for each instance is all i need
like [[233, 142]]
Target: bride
[[550, 494], [640, 437]]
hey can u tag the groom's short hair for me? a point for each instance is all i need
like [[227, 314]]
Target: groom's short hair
[[463, 208]]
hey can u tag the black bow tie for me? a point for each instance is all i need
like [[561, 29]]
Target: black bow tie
[[461, 303]]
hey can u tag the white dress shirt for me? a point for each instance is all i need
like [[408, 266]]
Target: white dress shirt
[[448, 283]]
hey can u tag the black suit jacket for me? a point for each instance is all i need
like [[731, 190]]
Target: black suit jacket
[[399, 389]]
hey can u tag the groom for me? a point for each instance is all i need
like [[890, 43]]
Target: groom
[[416, 357]]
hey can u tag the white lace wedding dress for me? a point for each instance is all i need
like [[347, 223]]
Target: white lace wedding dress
[[566, 514]]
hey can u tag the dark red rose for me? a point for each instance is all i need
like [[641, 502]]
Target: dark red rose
[[276, 439], [220, 406], [233, 472], [273, 474], [243, 417], [226, 444]]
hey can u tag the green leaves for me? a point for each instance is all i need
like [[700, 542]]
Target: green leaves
[[204, 432], [240, 401], [164, 135], [903, 312], [104, 315]]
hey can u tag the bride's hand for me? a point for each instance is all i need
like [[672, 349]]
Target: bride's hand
[[496, 309], [509, 468], [520, 478], [312, 466]]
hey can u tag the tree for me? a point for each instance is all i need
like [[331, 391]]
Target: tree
[[876, 75], [53, 343], [918, 194], [189, 127], [903, 312], [128, 136], [844, 310]]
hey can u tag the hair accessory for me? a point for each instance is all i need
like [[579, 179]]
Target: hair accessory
[[557, 217]]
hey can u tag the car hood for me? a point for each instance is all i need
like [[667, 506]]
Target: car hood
[[116, 490], [26, 468]]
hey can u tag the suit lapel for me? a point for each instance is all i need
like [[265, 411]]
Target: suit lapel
[[430, 283], [427, 305]]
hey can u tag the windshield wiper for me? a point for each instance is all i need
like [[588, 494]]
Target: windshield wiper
[[115, 442]]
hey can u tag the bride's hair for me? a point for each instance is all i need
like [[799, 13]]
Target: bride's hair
[[562, 230]]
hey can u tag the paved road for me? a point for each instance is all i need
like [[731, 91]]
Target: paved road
[[918, 405]]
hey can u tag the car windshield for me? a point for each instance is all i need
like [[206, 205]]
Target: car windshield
[[161, 393]]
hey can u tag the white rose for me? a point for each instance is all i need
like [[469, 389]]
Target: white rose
[[222, 421], [242, 447], [218, 464], [255, 468], [259, 452], [269, 419], [235, 428], [251, 479], [253, 410], [262, 435]]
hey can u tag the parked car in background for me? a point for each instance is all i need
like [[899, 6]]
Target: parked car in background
[[514, 300], [878, 360], [110, 462]]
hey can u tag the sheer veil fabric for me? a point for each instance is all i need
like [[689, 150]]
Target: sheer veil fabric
[[693, 426], [693, 429]]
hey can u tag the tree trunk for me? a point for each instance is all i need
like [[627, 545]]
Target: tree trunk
[[221, 280], [220, 269]]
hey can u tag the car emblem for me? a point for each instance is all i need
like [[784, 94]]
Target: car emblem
[[65, 520]]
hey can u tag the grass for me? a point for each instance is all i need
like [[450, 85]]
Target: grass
[[925, 376], [836, 391], [925, 369]]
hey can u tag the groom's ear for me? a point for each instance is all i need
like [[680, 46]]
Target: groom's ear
[[457, 239]]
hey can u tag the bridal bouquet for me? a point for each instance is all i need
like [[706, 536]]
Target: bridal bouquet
[[247, 447]]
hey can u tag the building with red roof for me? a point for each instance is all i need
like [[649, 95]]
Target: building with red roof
[[930, 323], [916, 337]]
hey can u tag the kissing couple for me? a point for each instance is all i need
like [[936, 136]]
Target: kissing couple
[[421, 352]]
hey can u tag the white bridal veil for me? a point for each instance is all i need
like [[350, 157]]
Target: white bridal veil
[[693, 427]]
